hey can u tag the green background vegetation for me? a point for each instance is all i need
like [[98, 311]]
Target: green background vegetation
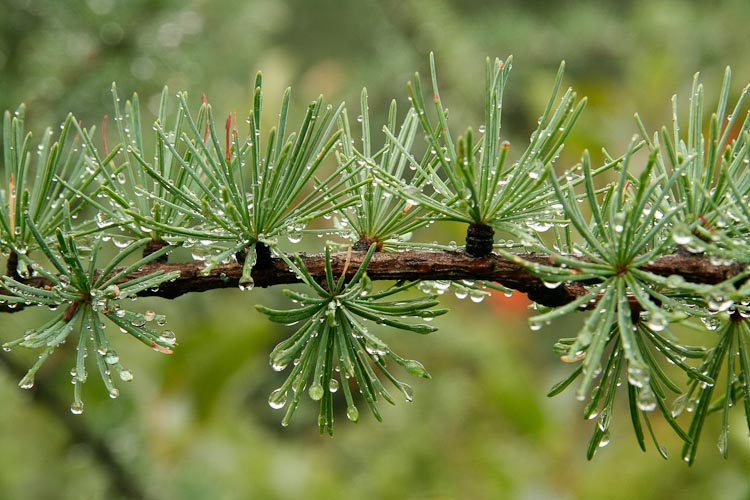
[[197, 424]]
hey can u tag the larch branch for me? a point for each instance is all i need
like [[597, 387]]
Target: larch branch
[[411, 265]]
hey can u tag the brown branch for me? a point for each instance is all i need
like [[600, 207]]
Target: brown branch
[[411, 265]]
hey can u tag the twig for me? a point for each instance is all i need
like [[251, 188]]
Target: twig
[[411, 265]]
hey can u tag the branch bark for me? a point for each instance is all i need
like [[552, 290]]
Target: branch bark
[[411, 265]]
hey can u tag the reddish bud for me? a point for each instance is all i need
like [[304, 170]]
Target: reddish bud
[[228, 128], [104, 134], [705, 222], [160, 348], [204, 100]]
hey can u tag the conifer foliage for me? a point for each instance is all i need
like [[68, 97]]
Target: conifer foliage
[[645, 245]]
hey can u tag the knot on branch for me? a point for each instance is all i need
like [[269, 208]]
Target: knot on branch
[[263, 257], [479, 240], [364, 243], [154, 246], [12, 266]]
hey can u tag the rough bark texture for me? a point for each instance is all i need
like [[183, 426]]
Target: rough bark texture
[[154, 246], [479, 240], [412, 265]]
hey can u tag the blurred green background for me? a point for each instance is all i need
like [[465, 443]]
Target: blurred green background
[[197, 425]]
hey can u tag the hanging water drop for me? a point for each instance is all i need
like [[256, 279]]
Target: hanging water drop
[[76, 408], [333, 385], [277, 399], [352, 413], [407, 391], [294, 236], [278, 367], [168, 337], [657, 321], [316, 391], [27, 382], [619, 222], [604, 441], [111, 357], [682, 235], [646, 400], [723, 441], [638, 376]]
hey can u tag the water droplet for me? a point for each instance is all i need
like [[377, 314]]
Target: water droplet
[[719, 303], [294, 236], [111, 357], [168, 337], [278, 367], [126, 375], [27, 382], [711, 323], [604, 441], [101, 219], [477, 296], [277, 399], [375, 348], [638, 376], [316, 391], [76, 408], [723, 441], [407, 391], [682, 235], [114, 393], [646, 400], [657, 321], [604, 419], [441, 285], [352, 413], [333, 385], [539, 226], [619, 222]]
